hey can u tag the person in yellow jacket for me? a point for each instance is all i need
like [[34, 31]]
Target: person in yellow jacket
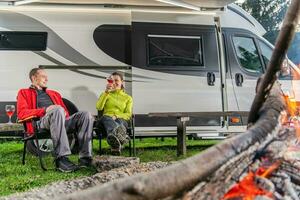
[[116, 106]]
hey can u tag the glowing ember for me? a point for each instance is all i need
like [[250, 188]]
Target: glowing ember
[[247, 189]]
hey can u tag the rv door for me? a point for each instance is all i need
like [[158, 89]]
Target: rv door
[[246, 66], [182, 66]]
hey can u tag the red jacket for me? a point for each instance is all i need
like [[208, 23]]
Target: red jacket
[[27, 105]]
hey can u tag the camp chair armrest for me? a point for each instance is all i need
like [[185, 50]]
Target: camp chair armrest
[[34, 118]]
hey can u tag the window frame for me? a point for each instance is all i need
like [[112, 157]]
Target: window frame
[[179, 67], [258, 51], [261, 41], [280, 77]]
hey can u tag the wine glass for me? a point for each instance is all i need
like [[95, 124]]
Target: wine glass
[[110, 80], [110, 83], [10, 110]]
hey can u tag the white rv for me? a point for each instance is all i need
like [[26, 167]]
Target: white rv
[[198, 56]]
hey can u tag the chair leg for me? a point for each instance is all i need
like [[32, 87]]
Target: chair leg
[[100, 144], [130, 149], [24, 152], [40, 154], [133, 143]]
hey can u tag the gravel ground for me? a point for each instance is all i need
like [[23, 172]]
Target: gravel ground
[[65, 187]]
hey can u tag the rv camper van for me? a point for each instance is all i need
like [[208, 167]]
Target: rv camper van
[[175, 58]]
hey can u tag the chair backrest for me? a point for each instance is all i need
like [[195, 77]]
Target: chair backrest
[[100, 113], [70, 106]]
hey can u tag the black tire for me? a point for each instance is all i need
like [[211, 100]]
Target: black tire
[[46, 146]]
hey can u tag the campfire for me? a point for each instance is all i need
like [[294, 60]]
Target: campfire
[[273, 176], [254, 184]]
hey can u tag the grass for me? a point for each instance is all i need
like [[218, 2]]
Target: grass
[[15, 177]]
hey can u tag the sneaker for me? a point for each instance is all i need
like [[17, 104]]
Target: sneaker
[[113, 141], [63, 164], [121, 134], [116, 152], [85, 162]]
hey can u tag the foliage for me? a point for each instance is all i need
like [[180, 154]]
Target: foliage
[[293, 52], [268, 12]]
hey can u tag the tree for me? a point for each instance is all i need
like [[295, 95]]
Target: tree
[[268, 13]]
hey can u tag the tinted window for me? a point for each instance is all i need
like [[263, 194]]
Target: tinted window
[[266, 52], [247, 54], [31, 41], [285, 72], [174, 51], [114, 40]]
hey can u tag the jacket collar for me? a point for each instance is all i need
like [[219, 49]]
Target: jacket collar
[[33, 87], [118, 91]]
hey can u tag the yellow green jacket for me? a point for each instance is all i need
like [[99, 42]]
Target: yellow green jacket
[[116, 103]]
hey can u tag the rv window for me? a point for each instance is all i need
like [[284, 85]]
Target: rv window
[[247, 54], [266, 52], [285, 72], [27, 41], [174, 51]]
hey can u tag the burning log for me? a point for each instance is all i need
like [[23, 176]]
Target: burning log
[[254, 184], [186, 174]]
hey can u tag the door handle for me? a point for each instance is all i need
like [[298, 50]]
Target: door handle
[[211, 78], [239, 79]]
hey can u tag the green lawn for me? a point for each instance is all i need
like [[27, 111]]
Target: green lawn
[[14, 177]]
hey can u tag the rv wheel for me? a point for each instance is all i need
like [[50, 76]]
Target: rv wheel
[[46, 146]]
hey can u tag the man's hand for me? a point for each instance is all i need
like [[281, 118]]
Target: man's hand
[[114, 117]]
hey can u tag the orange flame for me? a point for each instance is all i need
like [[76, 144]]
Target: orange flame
[[291, 105], [246, 189], [293, 112]]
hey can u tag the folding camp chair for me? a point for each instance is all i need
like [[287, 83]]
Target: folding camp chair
[[41, 134], [101, 133]]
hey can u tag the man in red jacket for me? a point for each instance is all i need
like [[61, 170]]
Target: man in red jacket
[[47, 105]]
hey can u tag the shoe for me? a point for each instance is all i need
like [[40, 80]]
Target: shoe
[[121, 134], [116, 151], [63, 164], [113, 141], [85, 162]]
